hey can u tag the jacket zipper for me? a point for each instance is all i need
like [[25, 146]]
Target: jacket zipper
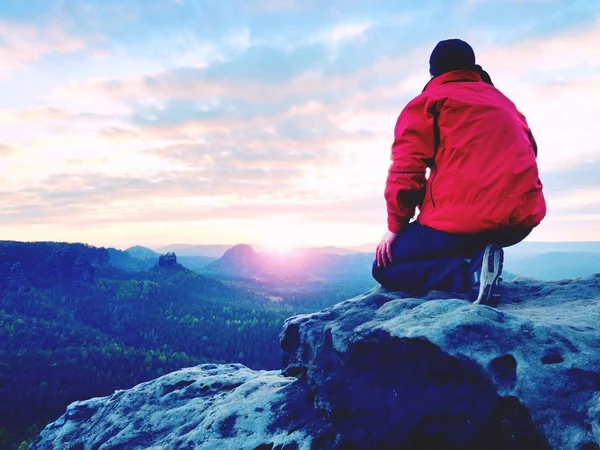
[[436, 145], [436, 135]]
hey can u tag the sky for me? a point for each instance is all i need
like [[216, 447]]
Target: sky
[[267, 122]]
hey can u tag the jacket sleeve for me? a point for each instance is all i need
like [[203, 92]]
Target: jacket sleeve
[[412, 152]]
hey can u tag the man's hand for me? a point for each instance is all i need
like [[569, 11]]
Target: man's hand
[[383, 254]]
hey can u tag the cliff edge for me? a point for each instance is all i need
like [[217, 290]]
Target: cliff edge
[[385, 371]]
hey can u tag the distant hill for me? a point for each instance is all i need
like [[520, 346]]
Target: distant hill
[[144, 258], [242, 261], [535, 248], [128, 261], [546, 261], [196, 263], [554, 266], [141, 252], [298, 278], [214, 251]]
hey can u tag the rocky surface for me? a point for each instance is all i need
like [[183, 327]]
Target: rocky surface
[[381, 371], [209, 407]]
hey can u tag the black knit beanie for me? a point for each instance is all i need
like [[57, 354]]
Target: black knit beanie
[[451, 54]]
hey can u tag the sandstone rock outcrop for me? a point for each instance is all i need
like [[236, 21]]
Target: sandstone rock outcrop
[[382, 370]]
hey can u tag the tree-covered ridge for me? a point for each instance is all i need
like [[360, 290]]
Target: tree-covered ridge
[[44, 264], [73, 326]]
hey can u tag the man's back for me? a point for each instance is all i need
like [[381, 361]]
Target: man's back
[[484, 174]]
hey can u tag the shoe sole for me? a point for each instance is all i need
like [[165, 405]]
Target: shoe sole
[[489, 278]]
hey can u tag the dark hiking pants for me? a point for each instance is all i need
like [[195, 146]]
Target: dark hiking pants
[[424, 258]]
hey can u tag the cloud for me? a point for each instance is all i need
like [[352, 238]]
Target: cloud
[[116, 133], [136, 201], [516, 2], [584, 89], [345, 31], [570, 49], [267, 65], [5, 150], [219, 187], [278, 5], [581, 176], [215, 181], [573, 192], [227, 151], [23, 44], [31, 115]]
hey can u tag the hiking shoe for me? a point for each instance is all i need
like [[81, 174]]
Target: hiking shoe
[[489, 280]]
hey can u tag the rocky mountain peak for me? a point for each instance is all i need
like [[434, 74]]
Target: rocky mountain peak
[[239, 252], [239, 261], [167, 261]]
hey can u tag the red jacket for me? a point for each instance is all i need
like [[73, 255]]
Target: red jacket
[[482, 157]]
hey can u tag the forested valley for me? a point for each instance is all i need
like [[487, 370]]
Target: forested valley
[[74, 326]]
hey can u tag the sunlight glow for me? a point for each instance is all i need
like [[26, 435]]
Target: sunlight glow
[[280, 235]]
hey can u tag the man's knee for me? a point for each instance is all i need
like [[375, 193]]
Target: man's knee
[[394, 276], [376, 272]]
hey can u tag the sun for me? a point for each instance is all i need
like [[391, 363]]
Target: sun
[[281, 244], [279, 236]]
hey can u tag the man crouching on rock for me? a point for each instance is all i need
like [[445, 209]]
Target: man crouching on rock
[[483, 191]]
